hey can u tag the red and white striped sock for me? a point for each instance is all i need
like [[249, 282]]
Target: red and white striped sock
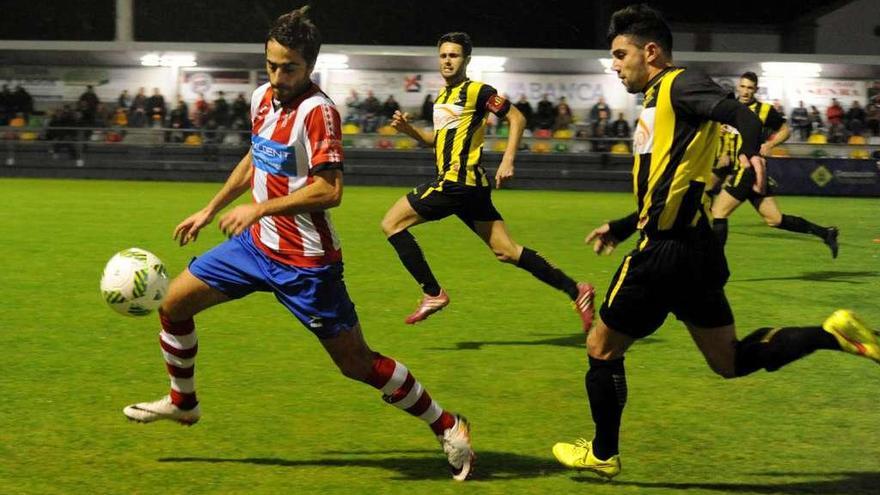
[[400, 389], [179, 347]]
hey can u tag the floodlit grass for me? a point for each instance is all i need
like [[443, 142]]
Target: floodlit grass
[[507, 353]]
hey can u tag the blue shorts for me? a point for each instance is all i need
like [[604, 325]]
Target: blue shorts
[[316, 296]]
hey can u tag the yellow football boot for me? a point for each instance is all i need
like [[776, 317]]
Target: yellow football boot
[[580, 456], [853, 335]]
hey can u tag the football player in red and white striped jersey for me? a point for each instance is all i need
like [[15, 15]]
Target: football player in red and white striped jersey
[[283, 242]]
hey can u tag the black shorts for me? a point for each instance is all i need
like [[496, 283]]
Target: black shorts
[[439, 199], [740, 184], [683, 276]]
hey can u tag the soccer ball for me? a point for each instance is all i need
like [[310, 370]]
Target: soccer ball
[[134, 282]]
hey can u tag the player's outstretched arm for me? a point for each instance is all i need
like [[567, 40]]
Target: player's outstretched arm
[[324, 192], [238, 182], [517, 124], [400, 121]]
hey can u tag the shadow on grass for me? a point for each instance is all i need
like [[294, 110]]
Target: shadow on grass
[[845, 483], [409, 465], [851, 277], [574, 340]]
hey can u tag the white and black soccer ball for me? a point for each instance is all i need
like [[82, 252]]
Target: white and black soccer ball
[[134, 282]]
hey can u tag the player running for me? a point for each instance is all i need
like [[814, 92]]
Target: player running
[[739, 185], [284, 243], [678, 265], [462, 187]]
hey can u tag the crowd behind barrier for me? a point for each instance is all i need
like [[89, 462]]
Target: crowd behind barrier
[[550, 126]]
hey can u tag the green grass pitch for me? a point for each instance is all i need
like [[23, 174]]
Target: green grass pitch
[[508, 353]]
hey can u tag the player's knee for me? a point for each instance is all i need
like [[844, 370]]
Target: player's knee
[[773, 221], [603, 350], [353, 373], [174, 307], [724, 370], [389, 226]]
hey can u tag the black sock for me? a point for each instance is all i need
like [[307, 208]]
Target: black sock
[[535, 264], [719, 225], [773, 348], [414, 261], [797, 224], [606, 389]]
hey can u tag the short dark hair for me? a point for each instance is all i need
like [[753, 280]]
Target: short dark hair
[[458, 38], [751, 76], [295, 30], [642, 23]]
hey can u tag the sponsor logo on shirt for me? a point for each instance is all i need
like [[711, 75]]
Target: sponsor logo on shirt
[[447, 116], [271, 156]]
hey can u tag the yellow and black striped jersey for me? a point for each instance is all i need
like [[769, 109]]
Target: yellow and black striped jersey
[[771, 121], [460, 113], [729, 144], [674, 147]]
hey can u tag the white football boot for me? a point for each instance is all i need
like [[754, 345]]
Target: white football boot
[[147, 412], [456, 443]]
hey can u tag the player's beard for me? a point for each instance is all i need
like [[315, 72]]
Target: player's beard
[[285, 93]]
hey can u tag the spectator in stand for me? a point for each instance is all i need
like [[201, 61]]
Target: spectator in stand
[[22, 103], [60, 129], [855, 118], [354, 108], [428, 108], [389, 107], [600, 106], [872, 119], [178, 119], [525, 108], [200, 111], [563, 118], [6, 100], [834, 112], [372, 110], [103, 116], [137, 115], [156, 106], [241, 110], [620, 127], [800, 121], [837, 132], [546, 114], [88, 107], [816, 123], [221, 110], [124, 100], [601, 132]]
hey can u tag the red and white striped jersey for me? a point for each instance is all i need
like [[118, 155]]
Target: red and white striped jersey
[[289, 144]]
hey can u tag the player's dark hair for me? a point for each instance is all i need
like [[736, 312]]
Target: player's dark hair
[[751, 76], [642, 23], [295, 30], [459, 38]]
